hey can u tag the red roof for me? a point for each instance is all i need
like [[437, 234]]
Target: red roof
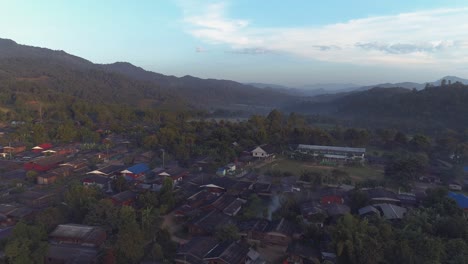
[[45, 146]]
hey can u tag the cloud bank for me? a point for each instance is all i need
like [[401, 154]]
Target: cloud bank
[[424, 38]]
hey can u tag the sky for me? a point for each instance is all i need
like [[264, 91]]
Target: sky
[[293, 43]]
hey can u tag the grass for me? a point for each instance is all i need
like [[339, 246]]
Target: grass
[[298, 167]]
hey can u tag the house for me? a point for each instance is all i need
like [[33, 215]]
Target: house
[[263, 152], [37, 199], [43, 164], [76, 165], [73, 243], [381, 195], [124, 198], [227, 253], [253, 257], [194, 250], [455, 186], [41, 147], [221, 171], [14, 148], [234, 207], [78, 235], [313, 213], [368, 211], [332, 153], [47, 178], [176, 174], [204, 163], [207, 223], [387, 211], [231, 167], [252, 230], [331, 199], [262, 189], [96, 180], [136, 171], [59, 254], [301, 253], [336, 210], [62, 172], [110, 171], [279, 233], [10, 214], [18, 174]]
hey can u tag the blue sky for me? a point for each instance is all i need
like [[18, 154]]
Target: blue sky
[[272, 41]]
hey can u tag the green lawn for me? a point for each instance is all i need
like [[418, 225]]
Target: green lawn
[[297, 167]]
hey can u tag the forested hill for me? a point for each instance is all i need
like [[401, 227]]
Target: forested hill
[[39, 73], [433, 107]]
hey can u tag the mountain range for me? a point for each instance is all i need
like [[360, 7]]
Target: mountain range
[[50, 77], [337, 88], [57, 71]]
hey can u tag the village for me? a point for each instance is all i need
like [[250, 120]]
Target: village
[[237, 213]]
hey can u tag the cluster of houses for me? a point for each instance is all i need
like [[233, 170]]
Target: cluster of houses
[[212, 201]]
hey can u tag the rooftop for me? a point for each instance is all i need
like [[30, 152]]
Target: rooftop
[[331, 148], [138, 168], [230, 252]]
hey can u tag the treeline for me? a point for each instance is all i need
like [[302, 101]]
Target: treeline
[[431, 109]]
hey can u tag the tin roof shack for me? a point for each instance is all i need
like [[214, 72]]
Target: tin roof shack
[[111, 171], [47, 178], [57, 254], [76, 165], [37, 199], [96, 180], [73, 243], [228, 253], [388, 211], [14, 148], [11, 214], [206, 224], [279, 233], [194, 250], [253, 230], [176, 174], [43, 164], [124, 198], [78, 235], [136, 171], [381, 195]]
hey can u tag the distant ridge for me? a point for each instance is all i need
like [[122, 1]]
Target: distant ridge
[[124, 80]]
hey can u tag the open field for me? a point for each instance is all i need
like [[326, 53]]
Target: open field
[[298, 167]]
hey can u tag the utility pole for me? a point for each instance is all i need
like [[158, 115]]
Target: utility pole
[[163, 151]]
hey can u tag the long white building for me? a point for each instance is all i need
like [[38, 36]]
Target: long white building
[[331, 152]]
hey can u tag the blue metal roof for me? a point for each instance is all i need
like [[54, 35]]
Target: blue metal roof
[[139, 168], [465, 169], [461, 199]]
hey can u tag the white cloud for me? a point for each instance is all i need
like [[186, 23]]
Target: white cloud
[[432, 37]]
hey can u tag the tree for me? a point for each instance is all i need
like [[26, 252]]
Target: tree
[[227, 232], [49, 218], [79, 199], [28, 244], [103, 213], [130, 240], [420, 143], [406, 169], [357, 241]]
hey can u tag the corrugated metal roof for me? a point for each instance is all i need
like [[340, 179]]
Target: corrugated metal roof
[[462, 200], [138, 168], [331, 148]]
